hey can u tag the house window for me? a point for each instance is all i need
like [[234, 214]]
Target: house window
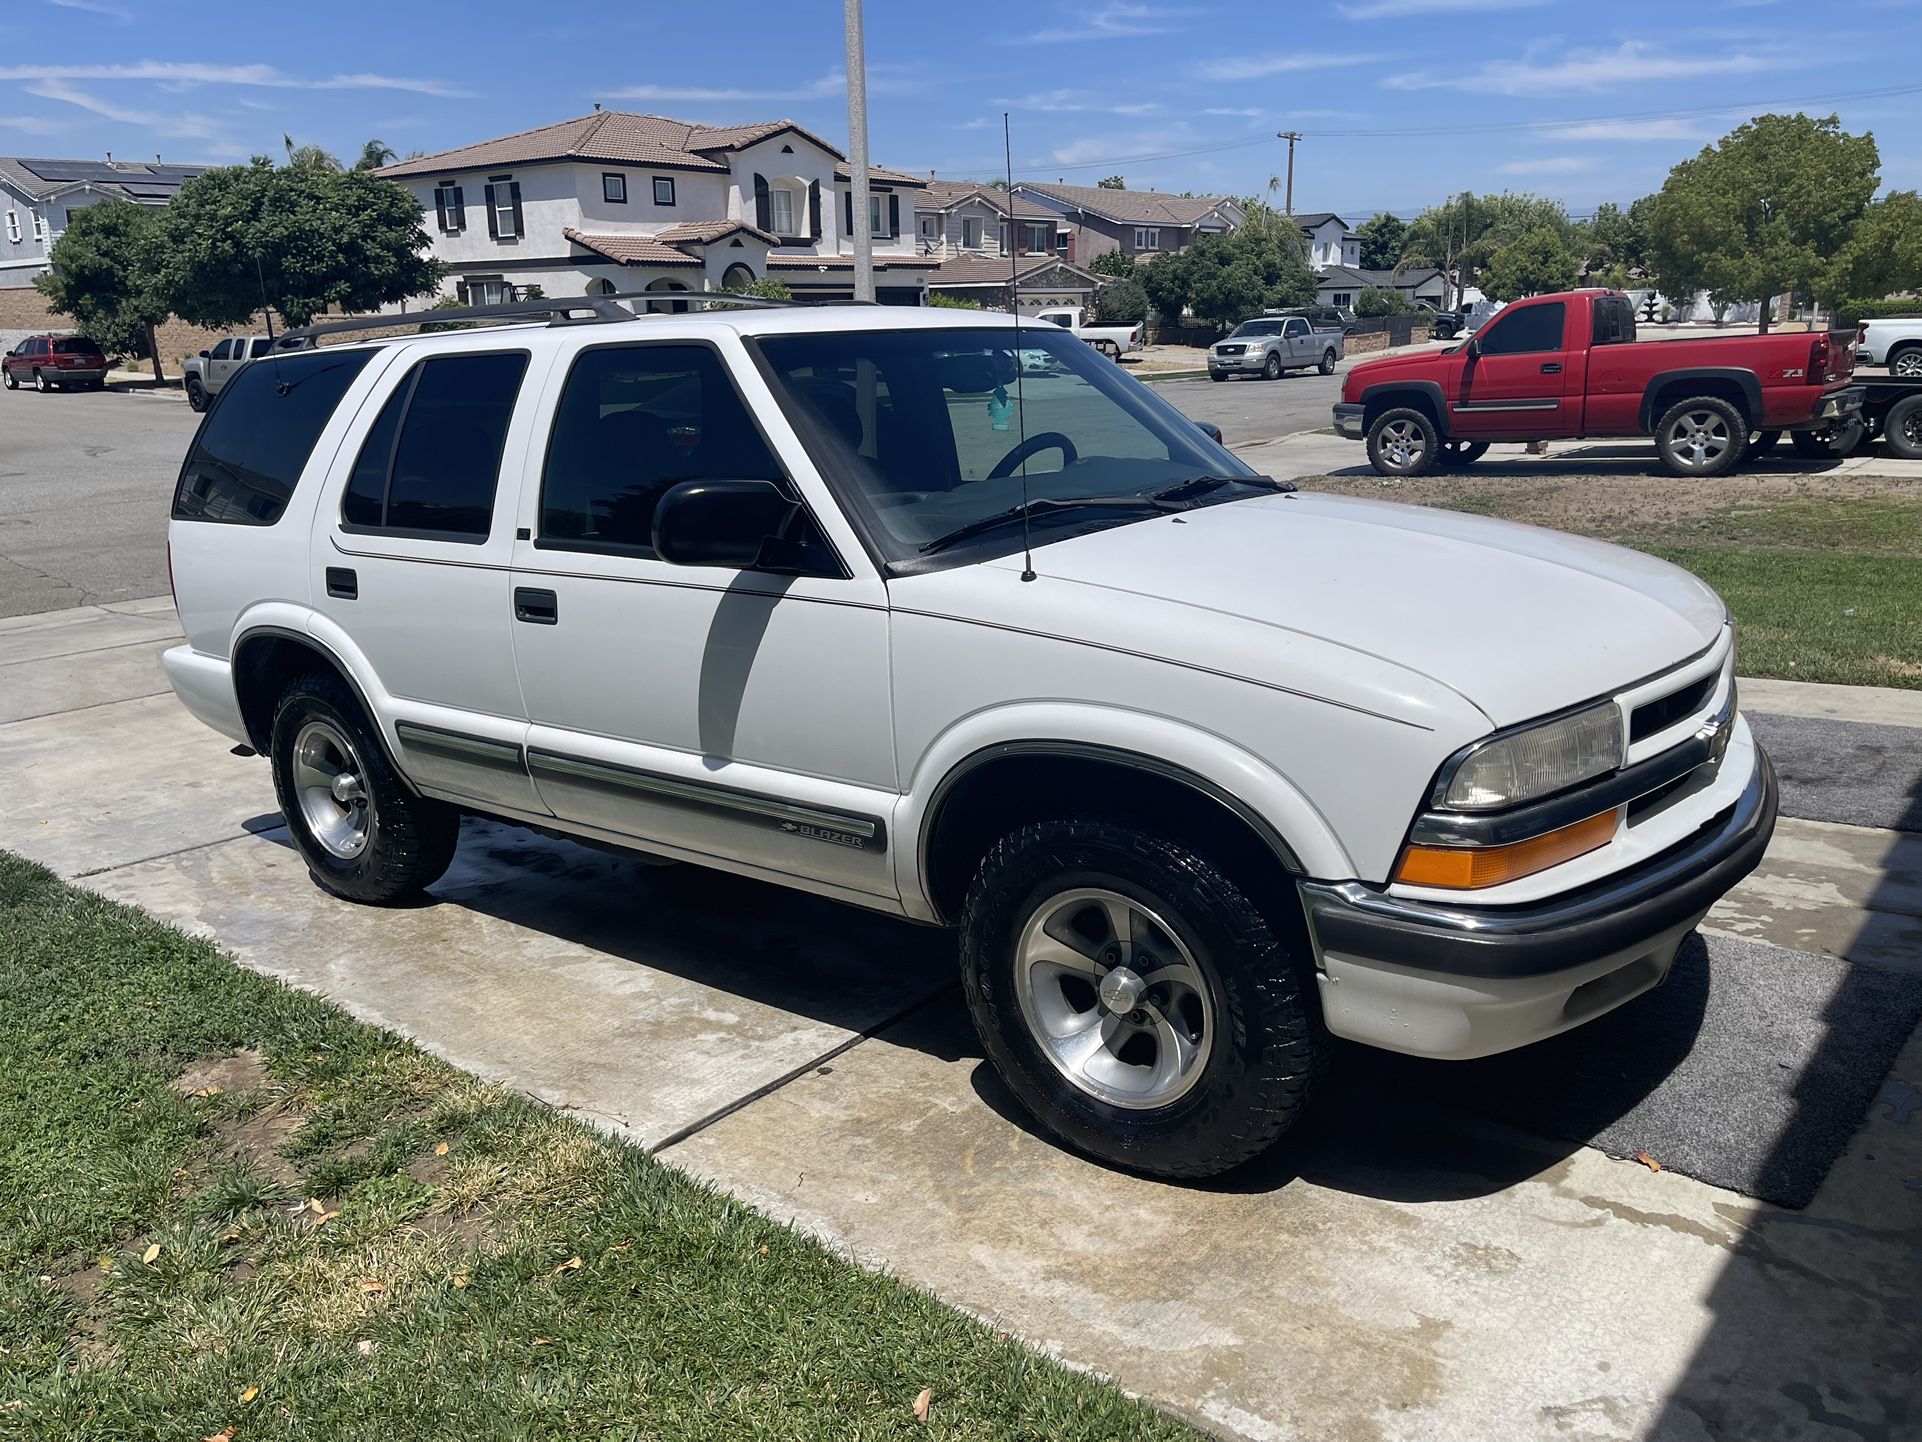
[[1342, 297], [1038, 237], [484, 290], [613, 187], [39, 227], [971, 232], [877, 215], [13, 226], [504, 221], [930, 227], [1147, 238], [1061, 242], [663, 190], [780, 209], [450, 208]]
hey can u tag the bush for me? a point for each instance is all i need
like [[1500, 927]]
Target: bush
[[1383, 300], [1123, 303], [1851, 312], [767, 288], [951, 302]]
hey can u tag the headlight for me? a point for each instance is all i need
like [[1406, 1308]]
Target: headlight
[[1536, 762]]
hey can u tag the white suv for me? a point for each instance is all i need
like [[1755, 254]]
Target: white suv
[[1221, 771]]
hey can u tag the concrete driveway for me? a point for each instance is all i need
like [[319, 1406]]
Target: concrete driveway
[[1438, 1255]]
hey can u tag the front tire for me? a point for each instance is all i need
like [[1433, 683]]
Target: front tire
[[1403, 442], [1135, 1001], [1272, 370], [11, 380], [1327, 366], [196, 394], [1217, 376], [362, 833], [1700, 438]]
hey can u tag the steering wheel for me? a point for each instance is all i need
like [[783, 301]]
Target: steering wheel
[[1045, 441]]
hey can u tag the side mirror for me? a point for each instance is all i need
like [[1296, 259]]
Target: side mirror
[[1210, 430], [720, 523], [203, 355]]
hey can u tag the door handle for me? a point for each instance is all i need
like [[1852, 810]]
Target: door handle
[[537, 608], [1551, 368], [342, 584]]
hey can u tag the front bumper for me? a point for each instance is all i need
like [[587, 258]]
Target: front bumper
[[1456, 981], [1247, 361], [1348, 420]]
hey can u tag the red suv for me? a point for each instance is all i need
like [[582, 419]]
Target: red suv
[[46, 361]]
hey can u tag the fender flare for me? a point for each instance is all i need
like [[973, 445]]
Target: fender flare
[[1745, 380], [1430, 389]]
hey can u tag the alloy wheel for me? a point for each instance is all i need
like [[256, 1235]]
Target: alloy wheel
[[329, 780], [1698, 439], [1909, 363], [1113, 998], [1402, 445]]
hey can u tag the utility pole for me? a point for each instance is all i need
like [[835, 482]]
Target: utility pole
[[1291, 136], [857, 68]]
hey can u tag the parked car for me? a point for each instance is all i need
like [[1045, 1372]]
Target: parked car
[[1244, 768], [46, 362], [1113, 341], [207, 374], [1569, 366], [1269, 346], [1896, 344], [1443, 324]]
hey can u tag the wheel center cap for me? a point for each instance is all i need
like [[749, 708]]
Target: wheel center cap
[[1121, 990], [346, 788]]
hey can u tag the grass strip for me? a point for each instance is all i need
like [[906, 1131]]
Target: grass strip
[[228, 1210]]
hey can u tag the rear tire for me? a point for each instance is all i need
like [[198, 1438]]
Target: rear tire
[[1906, 361], [1832, 442], [1403, 442], [1200, 1059], [41, 383], [1327, 366], [362, 833], [1460, 455], [1700, 438], [1272, 370], [1760, 443], [1902, 429]]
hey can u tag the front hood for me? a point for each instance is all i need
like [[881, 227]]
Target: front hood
[[1518, 620], [1368, 373]]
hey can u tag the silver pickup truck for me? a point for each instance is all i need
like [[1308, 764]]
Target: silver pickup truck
[[1271, 345], [209, 371]]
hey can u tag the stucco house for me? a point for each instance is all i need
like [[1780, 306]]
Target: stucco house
[[1343, 284], [614, 202], [1136, 222], [1331, 241], [37, 196], [966, 218]]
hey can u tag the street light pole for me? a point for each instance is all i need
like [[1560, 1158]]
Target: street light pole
[[1291, 136], [857, 67]]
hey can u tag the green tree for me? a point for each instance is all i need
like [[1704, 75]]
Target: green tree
[[1117, 263], [1763, 211], [1460, 235], [1534, 263], [1383, 300], [1167, 279], [103, 273], [1223, 279], [1381, 241], [302, 237], [1883, 254], [767, 288], [374, 154], [309, 157], [1123, 303], [1112, 182]]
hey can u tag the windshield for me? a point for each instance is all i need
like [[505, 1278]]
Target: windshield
[[925, 428], [1258, 327]]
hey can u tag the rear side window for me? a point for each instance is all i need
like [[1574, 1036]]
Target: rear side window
[[1519, 332], [1614, 320], [633, 421], [255, 442], [430, 465]]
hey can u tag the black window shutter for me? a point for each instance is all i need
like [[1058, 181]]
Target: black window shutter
[[493, 216], [460, 210], [514, 195], [814, 210], [847, 211], [763, 211], [441, 197], [894, 214]]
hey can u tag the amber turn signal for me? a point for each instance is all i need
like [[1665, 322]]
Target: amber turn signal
[[1467, 868]]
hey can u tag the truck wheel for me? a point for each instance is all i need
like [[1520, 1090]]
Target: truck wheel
[[1459, 455], [1327, 366], [1272, 370], [1402, 442], [1906, 361], [1217, 375], [196, 394], [1134, 1000], [41, 383], [1701, 437], [1831, 442], [1902, 429], [1760, 443], [362, 833]]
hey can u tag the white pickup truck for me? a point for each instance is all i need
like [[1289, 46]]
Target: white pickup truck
[[1205, 770], [1895, 343], [1113, 341], [207, 373]]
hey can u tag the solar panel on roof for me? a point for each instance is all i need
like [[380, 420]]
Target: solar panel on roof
[[151, 192], [61, 172]]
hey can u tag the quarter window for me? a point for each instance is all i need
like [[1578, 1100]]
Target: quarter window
[[430, 465], [614, 188], [633, 421], [1525, 331], [663, 190]]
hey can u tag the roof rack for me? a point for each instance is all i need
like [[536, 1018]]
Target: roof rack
[[560, 310]]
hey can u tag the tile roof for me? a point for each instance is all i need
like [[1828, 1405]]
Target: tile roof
[[632, 249], [846, 262], [611, 135], [881, 172], [1362, 278], [946, 194], [1315, 220], [993, 270], [1133, 207], [706, 232], [145, 184]]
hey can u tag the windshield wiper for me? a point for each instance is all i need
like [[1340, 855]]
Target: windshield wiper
[[1041, 506], [1200, 486]]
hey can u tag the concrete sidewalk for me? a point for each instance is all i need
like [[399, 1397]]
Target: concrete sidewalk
[[1401, 1274]]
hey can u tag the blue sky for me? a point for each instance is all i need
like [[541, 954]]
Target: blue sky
[[1400, 101]]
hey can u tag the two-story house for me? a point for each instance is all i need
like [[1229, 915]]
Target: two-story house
[[37, 196], [1134, 222], [986, 239], [1330, 240], [612, 202]]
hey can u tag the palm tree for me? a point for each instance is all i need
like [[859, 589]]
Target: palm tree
[[374, 154], [308, 157]]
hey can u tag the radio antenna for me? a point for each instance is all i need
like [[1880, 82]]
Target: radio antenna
[[1020, 396]]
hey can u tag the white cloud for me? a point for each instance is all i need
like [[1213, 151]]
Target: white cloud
[[185, 126], [1076, 101], [1100, 147], [194, 72], [31, 124], [1548, 165], [1249, 114], [96, 7], [1112, 20], [1379, 9], [1608, 130], [1633, 62], [1257, 67], [829, 85]]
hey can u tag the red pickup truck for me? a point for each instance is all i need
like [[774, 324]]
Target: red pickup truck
[[1567, 366]]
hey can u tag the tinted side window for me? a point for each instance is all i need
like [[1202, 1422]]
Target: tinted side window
[[432, 461], [252, 447], [1532, 328], [633, 421], [1614, 321]]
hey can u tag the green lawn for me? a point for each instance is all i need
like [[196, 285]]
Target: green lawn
[[228, 1209]]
